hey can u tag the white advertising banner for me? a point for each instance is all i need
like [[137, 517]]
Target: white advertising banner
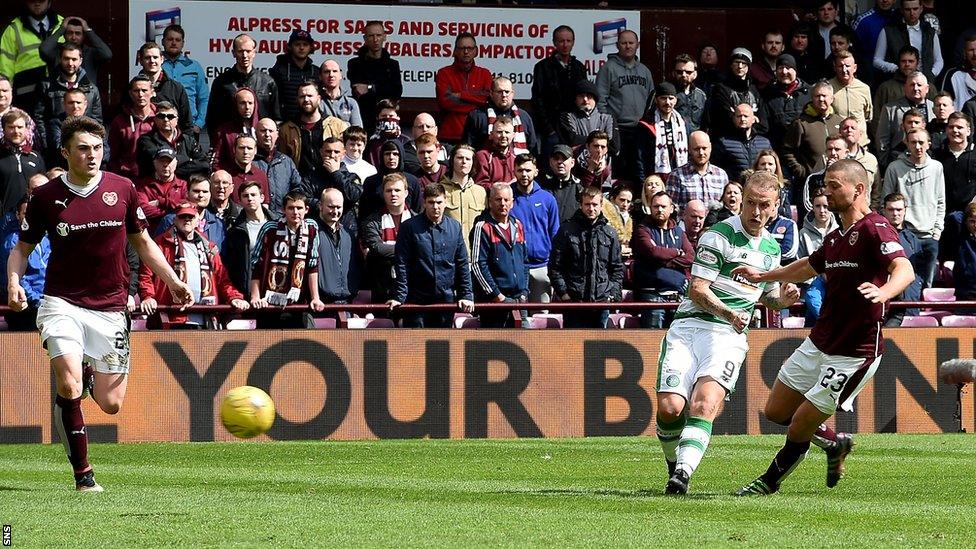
[[421, 38]]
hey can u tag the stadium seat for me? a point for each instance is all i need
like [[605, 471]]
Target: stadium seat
[[542, 321], [626, 296], [464, 321], [138, 325], [3, 325], [939, 294], [793, 322], [919, 321], [356, 323], [630, 322], [956, 321], [242, 324], [325, 323], [363, 297], [618, 320]]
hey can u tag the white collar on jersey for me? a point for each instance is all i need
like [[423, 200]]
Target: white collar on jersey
[[86, 190]]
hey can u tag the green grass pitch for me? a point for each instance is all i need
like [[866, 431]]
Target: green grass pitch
[[900, 490]]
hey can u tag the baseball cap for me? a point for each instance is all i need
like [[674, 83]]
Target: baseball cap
[[300, 35], [665, 88], [563, 150], [186, 209], [165, 152], [741, 54]]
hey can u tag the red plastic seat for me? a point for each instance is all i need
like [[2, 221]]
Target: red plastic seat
[[959, 321], [919, 321], [362, 323], [325, 323], [543, 321], [939, 294], [793, 322]]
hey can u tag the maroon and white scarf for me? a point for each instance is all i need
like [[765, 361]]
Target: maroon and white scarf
[[287, 255], [389, 228], [519, 143], [207, 296], [671, 143]]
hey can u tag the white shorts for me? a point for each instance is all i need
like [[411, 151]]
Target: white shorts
[[99, 337], [690, 352], [827, 381]]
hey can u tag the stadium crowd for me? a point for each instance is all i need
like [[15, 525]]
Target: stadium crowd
[[303, 185]]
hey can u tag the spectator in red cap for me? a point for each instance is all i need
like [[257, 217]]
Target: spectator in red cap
[[162, 191], [197, 263]]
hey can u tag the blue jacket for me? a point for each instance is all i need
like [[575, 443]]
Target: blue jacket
[[735, 153], [539, 214], [33, 279], [339, 266], [964, 271], [431, 262], [784, 231], [190, 73], [498, 263], [283, 177]]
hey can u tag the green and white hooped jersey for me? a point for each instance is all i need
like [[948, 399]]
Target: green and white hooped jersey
[[722, 248]]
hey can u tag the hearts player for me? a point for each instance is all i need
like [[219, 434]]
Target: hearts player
[[865, 266], [89, 216]]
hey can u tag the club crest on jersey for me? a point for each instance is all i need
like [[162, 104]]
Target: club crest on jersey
[[767, 262], [110, 198], [140, 214], [63, 229], [853, 238]]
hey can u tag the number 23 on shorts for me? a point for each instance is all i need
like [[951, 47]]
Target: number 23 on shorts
[[833, 380]]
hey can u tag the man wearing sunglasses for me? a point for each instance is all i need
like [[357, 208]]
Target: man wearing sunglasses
[[166, 133]]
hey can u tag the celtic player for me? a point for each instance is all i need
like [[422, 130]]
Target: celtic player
[[706, 344]]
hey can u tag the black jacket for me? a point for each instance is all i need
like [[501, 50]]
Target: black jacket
[[725, 97], [372, 198], [170, 90], [383, 74], [15, 170], [190, 158], [960, 176], [235, 252], [476, 128], [221, 107], [780, 109], [288, 76], [566, 193], [347, 182], [51, 105], [585, 260], [553, 91]]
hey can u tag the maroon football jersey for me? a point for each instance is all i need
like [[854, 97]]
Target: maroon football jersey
[[88, 265], [849, 324]]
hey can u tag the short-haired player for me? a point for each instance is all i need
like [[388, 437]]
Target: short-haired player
[[704, 348], [89, 216], [865, 266]]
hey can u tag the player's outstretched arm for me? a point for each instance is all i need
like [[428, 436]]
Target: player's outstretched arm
[[152, 256], [901, 274], [16, 266], [798, 271], [701, 293]]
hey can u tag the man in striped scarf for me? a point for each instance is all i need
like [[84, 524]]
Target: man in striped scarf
[[379, 232], [480, 121]]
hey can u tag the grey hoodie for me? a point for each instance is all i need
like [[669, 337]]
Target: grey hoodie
[[811, 237], [924, 190], [624, 89]]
